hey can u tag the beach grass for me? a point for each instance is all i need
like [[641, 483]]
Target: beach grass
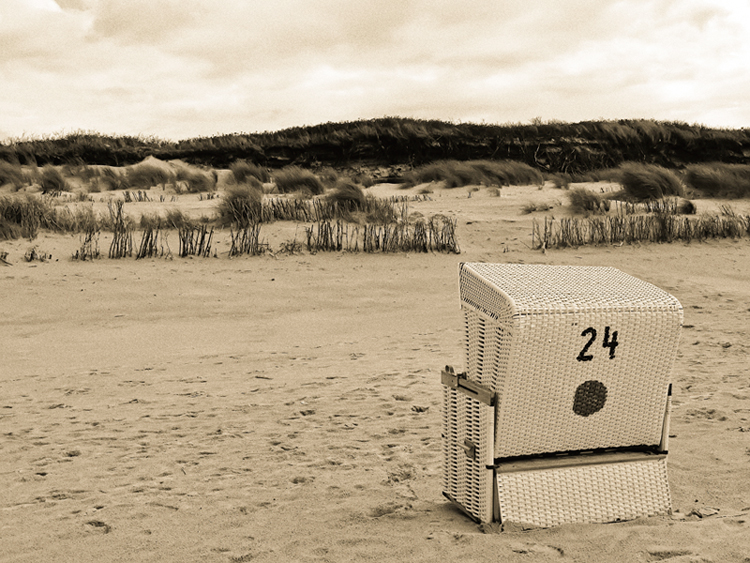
[[648, 181], [456, 174], [293, 178], [242, 171], [719, 180]]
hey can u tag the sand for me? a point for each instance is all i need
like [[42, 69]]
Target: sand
[[287, 407]]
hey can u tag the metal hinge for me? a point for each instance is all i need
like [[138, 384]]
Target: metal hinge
[[474, 390]]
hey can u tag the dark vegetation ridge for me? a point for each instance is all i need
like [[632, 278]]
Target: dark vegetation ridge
[[553, 147]]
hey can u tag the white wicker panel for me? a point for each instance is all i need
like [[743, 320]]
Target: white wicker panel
[[591, 493], [524, 327], [468, 481], [539, 288], [487, 349], [536, 410]]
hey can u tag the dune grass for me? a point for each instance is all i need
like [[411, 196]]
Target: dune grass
[[291, 179], [669, 205], [12, 174], [648, 181], [585, 201], [240, 207], [455, 174], [348, 196], [195, 181], [719, 180], [28, 213], [243, 170], [145, 175], [9, 230], [597, 175], [52, 181], [561, 181], [107, 178]]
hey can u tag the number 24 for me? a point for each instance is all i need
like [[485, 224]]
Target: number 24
[[610, 343]]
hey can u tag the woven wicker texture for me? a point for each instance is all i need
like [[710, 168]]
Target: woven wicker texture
[[539, 288], [468, 481], [590, 493], [543, 339]]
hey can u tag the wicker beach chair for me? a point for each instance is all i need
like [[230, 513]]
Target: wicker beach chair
[[562, 413]]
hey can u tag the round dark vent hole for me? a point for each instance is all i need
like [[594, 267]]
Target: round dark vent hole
[[590, 398]]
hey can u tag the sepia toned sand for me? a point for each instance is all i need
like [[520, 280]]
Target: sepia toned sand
[[287, 407]]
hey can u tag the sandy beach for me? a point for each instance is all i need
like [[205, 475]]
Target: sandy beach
[[287, 407]]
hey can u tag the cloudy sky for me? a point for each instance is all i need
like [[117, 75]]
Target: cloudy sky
[[177, 69]]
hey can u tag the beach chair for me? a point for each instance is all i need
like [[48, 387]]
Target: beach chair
[[562, 413]]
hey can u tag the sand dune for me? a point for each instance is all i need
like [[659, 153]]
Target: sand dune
[[287, 407]]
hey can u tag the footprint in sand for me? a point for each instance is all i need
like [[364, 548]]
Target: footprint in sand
[[536, 549], [663, 554], [388, 508], [99, 526]]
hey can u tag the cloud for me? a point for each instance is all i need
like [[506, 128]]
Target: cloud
[[78, 5], [196, 67], [143, 21]]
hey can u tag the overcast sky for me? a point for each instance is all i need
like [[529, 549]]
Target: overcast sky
[[177, 69]]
